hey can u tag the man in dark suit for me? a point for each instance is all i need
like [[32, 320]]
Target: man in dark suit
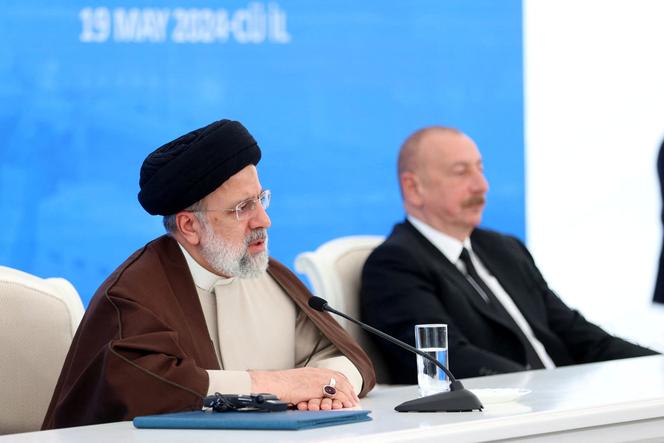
[[438, 267]]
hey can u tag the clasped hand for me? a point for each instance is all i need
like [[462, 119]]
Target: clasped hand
[[303, 387]]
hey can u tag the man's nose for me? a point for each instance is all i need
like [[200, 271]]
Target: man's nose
[[480, 183], [260, 219]]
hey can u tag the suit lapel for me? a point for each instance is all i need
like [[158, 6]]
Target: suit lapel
[[507, 276], [452, 274]]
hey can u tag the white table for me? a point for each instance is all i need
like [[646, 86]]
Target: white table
[[601, 402]]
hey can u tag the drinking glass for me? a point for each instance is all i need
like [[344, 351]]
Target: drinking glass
[[432, 339]]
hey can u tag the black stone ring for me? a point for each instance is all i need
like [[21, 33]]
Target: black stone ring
[[329, 389]]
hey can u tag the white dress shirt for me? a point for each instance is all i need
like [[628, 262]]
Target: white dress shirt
[[451, 248]]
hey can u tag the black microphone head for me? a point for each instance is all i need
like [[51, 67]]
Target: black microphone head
[[317, 303]]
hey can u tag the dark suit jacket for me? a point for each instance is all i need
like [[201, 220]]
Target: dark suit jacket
[[658, 297], [408, 281]]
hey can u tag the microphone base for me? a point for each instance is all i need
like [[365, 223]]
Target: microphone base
[[460, 400]]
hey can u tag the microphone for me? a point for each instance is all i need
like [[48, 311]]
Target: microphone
[[457, 399]]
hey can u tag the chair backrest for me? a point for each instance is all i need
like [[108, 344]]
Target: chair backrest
[[38, 319], [334, 270]]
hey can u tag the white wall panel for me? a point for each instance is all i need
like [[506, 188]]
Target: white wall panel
[[594, 110]]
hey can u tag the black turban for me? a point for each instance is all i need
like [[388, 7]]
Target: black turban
[[183, 171]]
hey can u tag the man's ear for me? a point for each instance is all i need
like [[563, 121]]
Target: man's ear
[[411, 188], [188, 227]]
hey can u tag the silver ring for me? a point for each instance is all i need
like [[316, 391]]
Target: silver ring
[[329, 389]]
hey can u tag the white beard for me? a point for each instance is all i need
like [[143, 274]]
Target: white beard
[[230, 260]]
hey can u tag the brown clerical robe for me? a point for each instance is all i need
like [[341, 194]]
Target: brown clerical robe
[[143, 346]]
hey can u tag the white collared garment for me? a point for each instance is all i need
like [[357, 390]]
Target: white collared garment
[[253, 324], [451, 248]]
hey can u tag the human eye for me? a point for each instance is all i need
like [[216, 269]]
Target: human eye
[[245, 206], [459, 170]]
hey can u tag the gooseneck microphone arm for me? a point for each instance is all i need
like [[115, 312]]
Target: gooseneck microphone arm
[[454, 384], [458, 399]]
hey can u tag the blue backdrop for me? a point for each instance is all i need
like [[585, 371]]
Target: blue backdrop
[[329, 90]]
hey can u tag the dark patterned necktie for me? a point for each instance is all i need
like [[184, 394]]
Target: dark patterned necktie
[[483, 290], [476, 281]]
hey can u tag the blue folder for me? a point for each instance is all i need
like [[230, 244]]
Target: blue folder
[[250, 420]]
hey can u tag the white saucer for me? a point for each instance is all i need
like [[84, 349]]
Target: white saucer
[[499, 395]]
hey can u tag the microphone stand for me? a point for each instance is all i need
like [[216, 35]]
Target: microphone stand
[[457, 399]]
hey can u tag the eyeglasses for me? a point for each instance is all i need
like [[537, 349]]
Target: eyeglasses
[[246, 208]]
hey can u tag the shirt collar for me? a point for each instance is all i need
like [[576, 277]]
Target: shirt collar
[[203, 278], [449, 246]]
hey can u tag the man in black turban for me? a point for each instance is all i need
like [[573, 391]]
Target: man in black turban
[[203, 309]]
